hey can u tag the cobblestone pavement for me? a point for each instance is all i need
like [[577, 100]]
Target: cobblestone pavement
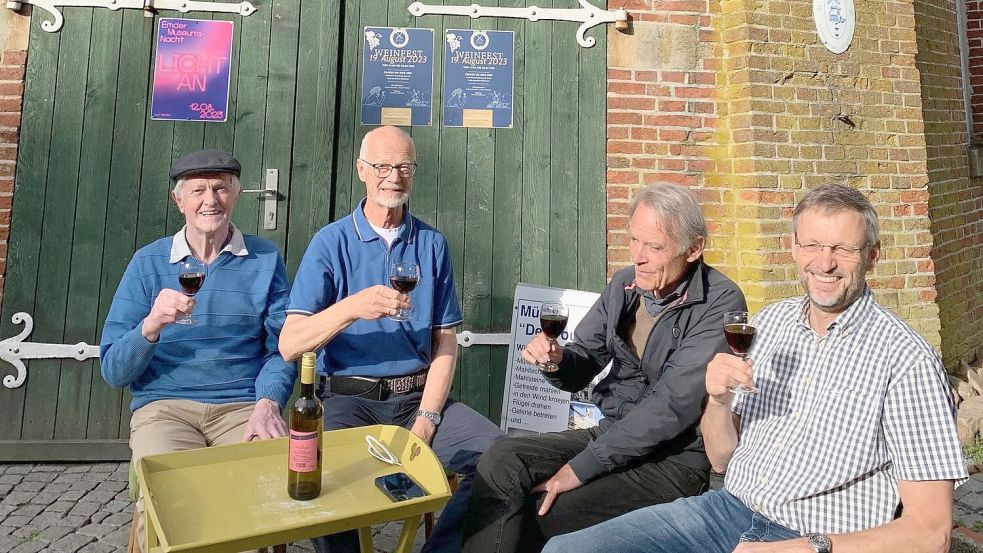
[[86, 508]]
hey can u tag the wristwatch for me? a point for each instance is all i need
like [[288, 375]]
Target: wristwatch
[[820, 543], [431, 416]]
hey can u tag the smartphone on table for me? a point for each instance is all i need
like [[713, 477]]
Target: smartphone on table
[[399, 486]]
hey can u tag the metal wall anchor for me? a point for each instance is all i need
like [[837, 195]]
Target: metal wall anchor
[[183, 6], [589, 15]]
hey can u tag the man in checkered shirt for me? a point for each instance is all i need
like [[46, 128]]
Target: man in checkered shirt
[[853, 417]]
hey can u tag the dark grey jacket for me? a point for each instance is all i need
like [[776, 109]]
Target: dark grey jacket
[[652, 408]]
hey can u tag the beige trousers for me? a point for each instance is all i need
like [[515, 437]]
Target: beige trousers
[[175, 425]]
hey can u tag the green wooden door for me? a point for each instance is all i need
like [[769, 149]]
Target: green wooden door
[[521, 204]]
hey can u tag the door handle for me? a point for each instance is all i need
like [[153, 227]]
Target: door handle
[[271, 193]]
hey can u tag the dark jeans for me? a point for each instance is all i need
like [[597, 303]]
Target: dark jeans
[[501, 515], [462, 437]]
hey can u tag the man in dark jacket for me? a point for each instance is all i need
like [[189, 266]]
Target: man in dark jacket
[[658, 322]]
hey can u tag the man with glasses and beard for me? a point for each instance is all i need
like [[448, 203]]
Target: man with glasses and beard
[[853, 418]]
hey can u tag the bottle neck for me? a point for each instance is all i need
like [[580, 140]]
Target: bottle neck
[[307, 389]]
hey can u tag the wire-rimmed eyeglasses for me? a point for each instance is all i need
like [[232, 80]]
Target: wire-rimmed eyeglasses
[[839, 251], [382, 170]]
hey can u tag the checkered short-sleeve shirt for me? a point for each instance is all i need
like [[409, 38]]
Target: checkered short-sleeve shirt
[[839, 420]]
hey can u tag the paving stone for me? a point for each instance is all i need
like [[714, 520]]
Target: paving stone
[[84, 485], [73, 495], [75, 469], [57, 487], [96, 518], [18, 498], [974, 485], [48, 519], [40, 477], [29, 486], [124, 495], [16, 521], [99, 496], [119, 538], [49, 468], [85, 508], [95, 476], [18, 469], [29, 547], [118, 519], [98, 547], [9, 542], [116, 506], [114, 486], [105, 467], [12, 479], [60, 507], [5, 489], [72, 543], [6, 509], [973, 502], [46, 498], [96, 530], [28, 531], [29, 510], [5, 530], [54, 533], [74, 521]]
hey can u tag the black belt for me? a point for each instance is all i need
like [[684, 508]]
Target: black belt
[[377, 389]]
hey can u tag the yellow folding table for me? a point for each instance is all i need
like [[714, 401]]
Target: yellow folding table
[[233, 498]]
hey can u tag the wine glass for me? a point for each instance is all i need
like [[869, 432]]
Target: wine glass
[[191, 278], [403, 277], [553, 320], [740, 335]]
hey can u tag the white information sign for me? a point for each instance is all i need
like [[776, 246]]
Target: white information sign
[[531, 403]]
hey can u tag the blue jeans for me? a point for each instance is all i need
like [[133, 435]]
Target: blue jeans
[[714, 522], [460, 440]]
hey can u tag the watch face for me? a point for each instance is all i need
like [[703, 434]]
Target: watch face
[[821, 543]]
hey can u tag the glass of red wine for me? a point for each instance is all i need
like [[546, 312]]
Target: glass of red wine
[[191, 278], [553, 320], [740, 335], [403, 277]]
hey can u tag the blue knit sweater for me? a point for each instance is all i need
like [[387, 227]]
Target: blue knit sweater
[[229, 356]]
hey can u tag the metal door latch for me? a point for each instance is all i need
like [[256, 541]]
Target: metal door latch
[[271, 194]]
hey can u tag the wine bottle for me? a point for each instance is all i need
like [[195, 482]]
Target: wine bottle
[[306, 426]]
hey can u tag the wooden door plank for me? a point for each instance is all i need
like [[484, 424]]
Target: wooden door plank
[[563, 212], [536, 153], [250, 115], [189, 136], [82, 322], [56, 244], [280, 107], [508, 235], [109, 408], [221, 136], [427, 139], [314, 125], [27, 212], [592, 201]]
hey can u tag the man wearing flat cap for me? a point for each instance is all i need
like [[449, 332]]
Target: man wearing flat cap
[[220, 379]]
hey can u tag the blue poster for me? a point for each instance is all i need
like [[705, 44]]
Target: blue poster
[[191, 72], [397, 76], [478, 77]]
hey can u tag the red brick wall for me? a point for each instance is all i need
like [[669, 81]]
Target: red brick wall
[[12, 64], [955, 202]]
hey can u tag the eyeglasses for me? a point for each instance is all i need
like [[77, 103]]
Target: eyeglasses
[[839, 251], [382, 170]]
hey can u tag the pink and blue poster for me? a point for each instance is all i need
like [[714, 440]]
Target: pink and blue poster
[[191, 72]]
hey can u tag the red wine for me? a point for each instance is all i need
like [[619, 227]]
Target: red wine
[[191, 282], [739, 337], [553, 325], [404, 284]]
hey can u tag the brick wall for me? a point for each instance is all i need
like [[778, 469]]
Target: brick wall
[[12, 64], [955, 202], [779, 114], [974, 34]]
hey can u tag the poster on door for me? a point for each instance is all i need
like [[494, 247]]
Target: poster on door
[[397, 76], [191, 70], [530, 402], [478, 78]]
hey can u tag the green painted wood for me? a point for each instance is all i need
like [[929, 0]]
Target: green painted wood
[[82, 321], [76, 450], [27, 212], [42, 406], [109, 409], [250, 116], [563, 212], [536, 162], [189, 136], [507, 238], [221, 136], [592, 201]]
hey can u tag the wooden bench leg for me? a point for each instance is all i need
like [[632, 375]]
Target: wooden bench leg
[[133, 546]]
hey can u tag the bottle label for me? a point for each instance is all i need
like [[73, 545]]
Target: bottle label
[[303, 451]]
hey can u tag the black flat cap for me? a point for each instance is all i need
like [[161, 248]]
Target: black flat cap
[[205, 161]]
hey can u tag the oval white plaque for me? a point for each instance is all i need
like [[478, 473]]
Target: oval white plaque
[[835, 22]]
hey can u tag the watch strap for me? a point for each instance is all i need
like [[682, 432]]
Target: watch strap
[[431, 416]]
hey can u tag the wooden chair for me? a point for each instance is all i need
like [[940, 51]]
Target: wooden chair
[[428, 519]]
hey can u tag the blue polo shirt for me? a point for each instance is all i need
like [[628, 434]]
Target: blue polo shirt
[[346, 257]]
